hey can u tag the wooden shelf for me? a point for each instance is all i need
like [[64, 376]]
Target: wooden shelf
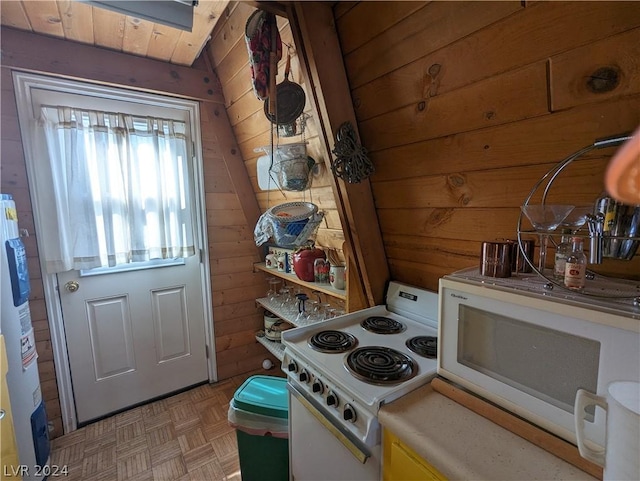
[[275, 348], [285, 316], [324, 288]]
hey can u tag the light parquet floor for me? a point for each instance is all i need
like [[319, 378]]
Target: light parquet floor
[[185, 437]]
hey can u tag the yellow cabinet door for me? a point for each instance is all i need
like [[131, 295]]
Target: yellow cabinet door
[[401, 463], [8, 448]]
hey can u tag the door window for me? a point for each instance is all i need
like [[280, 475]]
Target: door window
[[121, 186]]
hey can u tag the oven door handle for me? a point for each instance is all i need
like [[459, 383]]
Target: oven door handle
[[354, 446]]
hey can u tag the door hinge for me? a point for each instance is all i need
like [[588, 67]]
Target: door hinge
[[206, 351]]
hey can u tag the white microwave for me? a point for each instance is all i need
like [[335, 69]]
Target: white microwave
[[529, 350]]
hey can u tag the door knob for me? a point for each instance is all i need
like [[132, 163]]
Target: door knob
[[72, 286]]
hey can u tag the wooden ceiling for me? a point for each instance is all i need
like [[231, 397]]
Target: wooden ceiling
[[79, 22]]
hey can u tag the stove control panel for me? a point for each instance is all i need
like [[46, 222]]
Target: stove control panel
[[337, 404]]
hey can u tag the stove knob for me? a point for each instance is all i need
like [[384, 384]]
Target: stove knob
[[349, 414], [303, 376], [332, 399], [292, 367], [317, 387]]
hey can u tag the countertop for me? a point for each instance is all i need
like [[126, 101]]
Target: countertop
[[464, 445]]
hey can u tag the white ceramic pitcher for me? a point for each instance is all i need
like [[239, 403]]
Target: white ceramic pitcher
[[620, 456]]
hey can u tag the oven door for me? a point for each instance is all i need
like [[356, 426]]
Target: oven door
[[319, 450]]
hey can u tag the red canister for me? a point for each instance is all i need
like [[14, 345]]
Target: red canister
[[303, 260]]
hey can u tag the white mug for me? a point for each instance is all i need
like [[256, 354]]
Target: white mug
[[619, 458], [337, 277], [270, 261]]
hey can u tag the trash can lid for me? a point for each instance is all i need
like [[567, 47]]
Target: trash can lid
[[265, 395]]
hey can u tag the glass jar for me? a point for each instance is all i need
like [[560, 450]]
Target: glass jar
[[321, 271]]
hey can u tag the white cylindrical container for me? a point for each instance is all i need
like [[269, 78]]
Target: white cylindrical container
[[271, 261], [23, 380], [273, 326], [337, 277]]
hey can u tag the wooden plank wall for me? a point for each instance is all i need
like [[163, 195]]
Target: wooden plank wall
[[463, 106], [229, 196], [228, 54]]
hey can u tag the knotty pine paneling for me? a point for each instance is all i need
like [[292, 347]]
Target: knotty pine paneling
[[507, 44], [432, 27], [577, 76], [237, 325], [463, 111], [230, 233], [232, 247], [353, 36], [509, 145], [505, 98], [234, 280], [227, 265], [510, 187], [252, 129]]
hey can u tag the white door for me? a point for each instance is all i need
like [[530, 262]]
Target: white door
[[133, 335], [134, 332]]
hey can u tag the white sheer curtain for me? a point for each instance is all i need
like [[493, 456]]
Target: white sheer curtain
[[120, 189]]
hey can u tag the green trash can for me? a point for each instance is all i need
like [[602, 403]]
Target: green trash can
[[259, 411]]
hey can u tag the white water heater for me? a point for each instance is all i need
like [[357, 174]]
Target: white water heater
[[23, 380]]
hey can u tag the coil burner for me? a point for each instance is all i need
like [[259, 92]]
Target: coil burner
[[382, 325], [426, 346], [332, 341], [380, 365]]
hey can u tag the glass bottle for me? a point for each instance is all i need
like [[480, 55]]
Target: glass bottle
[[576, 266], [562, 252], [608, 207]]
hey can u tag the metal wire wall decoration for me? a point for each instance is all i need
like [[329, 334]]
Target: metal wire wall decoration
[[351, 163]]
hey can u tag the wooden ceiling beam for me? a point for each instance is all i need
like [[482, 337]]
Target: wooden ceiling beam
[[29, 51], [277, 8]]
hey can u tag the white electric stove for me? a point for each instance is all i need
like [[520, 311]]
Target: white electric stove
[[341, 371]]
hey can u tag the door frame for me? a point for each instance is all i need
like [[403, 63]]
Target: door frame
[[23, 83]]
